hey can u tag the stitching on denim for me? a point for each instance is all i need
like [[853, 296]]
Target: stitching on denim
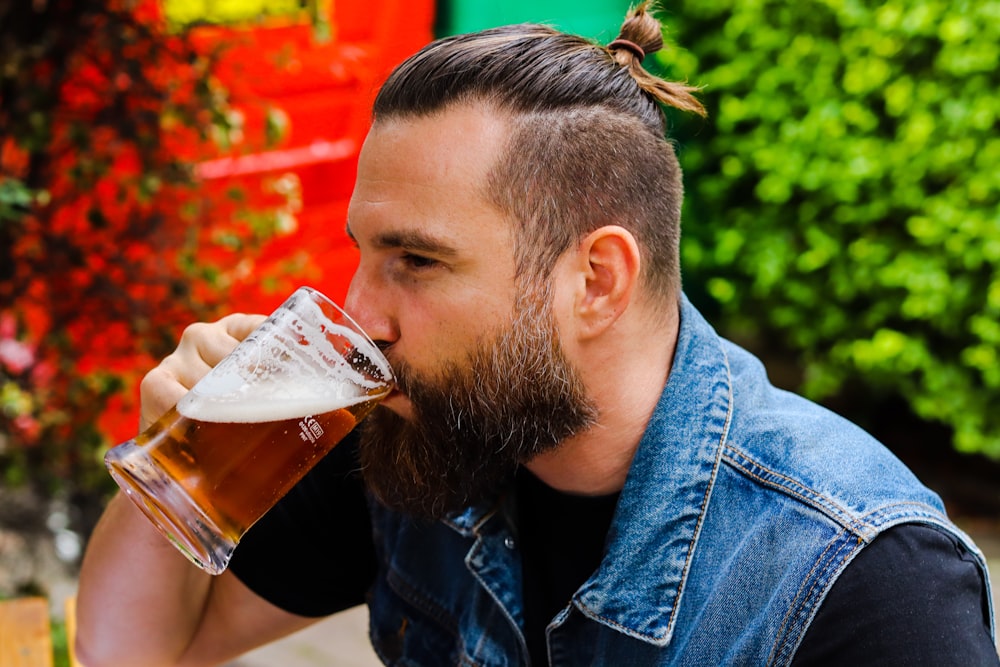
[[881, 517], [420, 601], [900, 512], [768, 477], [865, 526], [702, 509], [791, 608], [801, 601], [489, 591], [671, 620], [590, 613], [431, 609]]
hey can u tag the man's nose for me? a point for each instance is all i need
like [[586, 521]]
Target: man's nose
[[367, 306]]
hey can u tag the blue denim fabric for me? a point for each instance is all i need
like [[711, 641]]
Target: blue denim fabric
[[742, 506]]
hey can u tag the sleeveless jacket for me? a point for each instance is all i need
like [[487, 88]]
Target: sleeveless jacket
[[743, 505]]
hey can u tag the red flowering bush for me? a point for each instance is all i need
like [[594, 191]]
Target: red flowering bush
[[108, 245]]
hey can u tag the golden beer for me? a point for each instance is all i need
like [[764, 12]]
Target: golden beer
[[236, 471]]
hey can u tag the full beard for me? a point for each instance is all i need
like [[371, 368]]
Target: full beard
[[516, 396]]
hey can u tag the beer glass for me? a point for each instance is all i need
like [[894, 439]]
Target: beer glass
[[252, 427]]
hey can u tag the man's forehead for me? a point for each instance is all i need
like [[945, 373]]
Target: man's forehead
[[468, 130], [421, 180]]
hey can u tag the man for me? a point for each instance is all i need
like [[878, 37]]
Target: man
[[575, 469]]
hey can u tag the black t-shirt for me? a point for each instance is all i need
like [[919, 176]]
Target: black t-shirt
[[912, 597], [313, 554], [561, 539]]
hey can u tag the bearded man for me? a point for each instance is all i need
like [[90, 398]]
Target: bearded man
[[574, 468]]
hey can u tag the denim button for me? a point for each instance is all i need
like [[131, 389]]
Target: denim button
[[509, 542]]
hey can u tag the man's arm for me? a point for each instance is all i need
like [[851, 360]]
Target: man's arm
[[140, 602]]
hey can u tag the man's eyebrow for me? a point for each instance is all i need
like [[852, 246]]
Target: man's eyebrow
[[412, 240]]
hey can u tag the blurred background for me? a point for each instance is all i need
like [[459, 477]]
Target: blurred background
[[164, 161]]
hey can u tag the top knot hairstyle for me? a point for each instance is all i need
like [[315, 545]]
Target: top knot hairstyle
[[640, 36], [587, 143]]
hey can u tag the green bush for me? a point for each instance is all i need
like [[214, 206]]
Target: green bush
[[844, 194]]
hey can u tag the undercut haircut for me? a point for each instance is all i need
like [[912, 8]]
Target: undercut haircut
[[587, 144]]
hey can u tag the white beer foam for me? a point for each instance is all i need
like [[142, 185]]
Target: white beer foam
[[212, 410]]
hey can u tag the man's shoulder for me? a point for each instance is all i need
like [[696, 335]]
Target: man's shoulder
[[788, 444]]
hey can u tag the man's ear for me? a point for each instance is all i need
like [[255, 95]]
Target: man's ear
[[608, 262]]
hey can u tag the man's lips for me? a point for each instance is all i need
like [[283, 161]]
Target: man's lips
[[398, 402]]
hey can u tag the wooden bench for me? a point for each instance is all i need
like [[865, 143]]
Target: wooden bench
[[25, 633]]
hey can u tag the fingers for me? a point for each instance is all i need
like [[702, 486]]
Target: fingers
[[240, 325], [202, 346], [159, 391]]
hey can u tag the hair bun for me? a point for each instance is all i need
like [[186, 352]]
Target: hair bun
[[640, 35]]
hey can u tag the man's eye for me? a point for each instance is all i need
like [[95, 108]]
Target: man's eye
[[418, 261]]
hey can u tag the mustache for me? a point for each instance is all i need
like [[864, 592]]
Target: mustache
[[402, 372]]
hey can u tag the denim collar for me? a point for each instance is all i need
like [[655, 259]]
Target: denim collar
[[638, 587]]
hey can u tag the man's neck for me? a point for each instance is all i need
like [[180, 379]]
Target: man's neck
[[626, 386]]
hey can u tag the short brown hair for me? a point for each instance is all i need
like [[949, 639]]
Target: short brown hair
[[587, 145]]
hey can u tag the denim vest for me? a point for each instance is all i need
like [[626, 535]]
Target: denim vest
[[742, 506]]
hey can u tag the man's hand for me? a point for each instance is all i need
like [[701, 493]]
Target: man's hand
[[202, 346]]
